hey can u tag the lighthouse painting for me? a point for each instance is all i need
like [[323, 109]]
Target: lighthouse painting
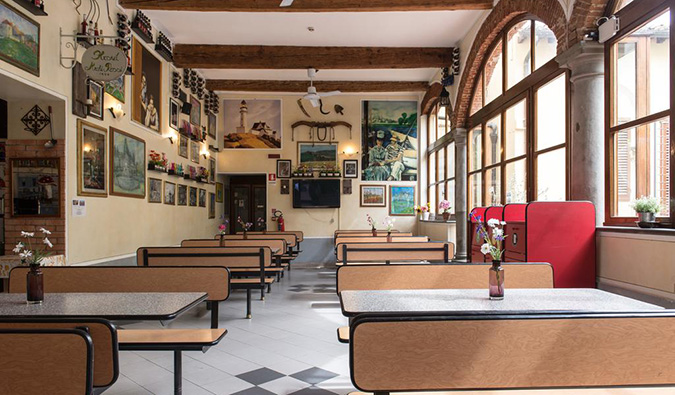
[[252, 124]]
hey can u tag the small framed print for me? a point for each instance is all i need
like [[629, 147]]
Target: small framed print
[[202, 197], [169, 193], [212, 205], [174, 110], [194, 152], [154, 190], [193, 197], [183, 146], [373, 196], [350, 168], [95, 97], [182, 195], [283, 168], [220, 192]]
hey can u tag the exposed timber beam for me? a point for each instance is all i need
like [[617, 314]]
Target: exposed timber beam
[[321, 86], [287, 57]]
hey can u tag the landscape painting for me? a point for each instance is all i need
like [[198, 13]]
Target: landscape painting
[[317, 156], [115, 88], [373, 196], [146, 102], [402, 200], [127, 165], [389, 143], [19, 40], [252, 124], [93, 158]]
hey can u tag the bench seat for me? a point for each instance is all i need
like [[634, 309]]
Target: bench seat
[[343, 334], [667, 390]]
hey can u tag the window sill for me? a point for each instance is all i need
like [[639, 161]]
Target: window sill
[[438, 221], [637, 230]]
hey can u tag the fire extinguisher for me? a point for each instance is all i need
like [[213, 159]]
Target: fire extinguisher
[[279, 217]]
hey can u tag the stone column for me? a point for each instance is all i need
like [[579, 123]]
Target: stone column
[[586, 63], [461, 203]]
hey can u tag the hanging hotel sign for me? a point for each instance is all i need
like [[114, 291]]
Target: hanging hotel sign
[[104, 62]]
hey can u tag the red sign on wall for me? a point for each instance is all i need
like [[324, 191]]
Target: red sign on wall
[[271, 177]]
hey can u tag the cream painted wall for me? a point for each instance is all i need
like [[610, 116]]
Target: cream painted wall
[[314, 222], [113, 226], [17, 109]]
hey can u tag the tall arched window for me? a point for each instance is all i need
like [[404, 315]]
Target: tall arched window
[[440, 159], [518, 122]]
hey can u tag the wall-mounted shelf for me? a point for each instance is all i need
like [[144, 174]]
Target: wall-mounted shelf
[[30, 7]]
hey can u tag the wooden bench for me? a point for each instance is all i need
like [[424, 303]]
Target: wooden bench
[[291, 242], [387, 252], [537, 351], [379, 239], [299, 237], [259, 258], [215, 281]]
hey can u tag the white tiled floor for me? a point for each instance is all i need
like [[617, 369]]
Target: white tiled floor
[[293, 330]]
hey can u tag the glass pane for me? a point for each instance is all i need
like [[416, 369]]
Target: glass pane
[[493, 73], [658, 33], [441, 164], [432, 198], [551, 114], [622, 3], [493, 182], [475, 148], [450, 195], [551, 175], [450, 160], [516, 130], [432, 168], [475, 190], [441, 192], [519, 54], [625, 87], [477, 101], [433, 124], [625, 169], [493, 141], [545, 44], [516, 182], [442, 122]]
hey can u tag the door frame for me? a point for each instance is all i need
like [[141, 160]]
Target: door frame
[[267, 193]]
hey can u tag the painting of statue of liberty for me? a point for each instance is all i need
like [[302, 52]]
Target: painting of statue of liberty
[[127, 165]]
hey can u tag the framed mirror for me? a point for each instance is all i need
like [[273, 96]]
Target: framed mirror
[[36, 187]]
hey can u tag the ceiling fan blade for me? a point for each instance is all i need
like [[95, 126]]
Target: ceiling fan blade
[[286, 3], [328, 94]]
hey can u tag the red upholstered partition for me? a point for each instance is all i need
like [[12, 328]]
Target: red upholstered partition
[[478, 212], [515, 245]]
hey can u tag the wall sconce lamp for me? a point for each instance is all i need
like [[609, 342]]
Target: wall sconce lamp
[[116, 111], [350, 151], [205, 153], [173, 137]]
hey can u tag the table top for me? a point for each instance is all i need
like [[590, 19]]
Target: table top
[[516, 301], [163, 306]]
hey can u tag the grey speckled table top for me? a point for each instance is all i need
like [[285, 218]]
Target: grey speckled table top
[[476, 300], [113, 306]]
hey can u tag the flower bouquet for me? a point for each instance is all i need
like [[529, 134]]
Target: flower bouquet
[[32, 252]]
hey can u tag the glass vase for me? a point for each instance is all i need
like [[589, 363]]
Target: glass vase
[[245, 235], [222, 240], [35, 291], [374, 232], [389, 237], [496, 281]]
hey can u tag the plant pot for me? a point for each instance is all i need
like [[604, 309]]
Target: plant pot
[[35, 291], [446, 216], [389, 237], [374, 232], [425, 215], [646, 217], [496, 281], [151, 166]]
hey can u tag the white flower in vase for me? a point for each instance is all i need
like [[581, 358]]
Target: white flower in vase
[[485, 249]]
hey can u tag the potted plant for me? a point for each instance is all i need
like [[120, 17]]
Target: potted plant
[[157, 161], [444, 208], [246, 226], [389, 225], [423, 211], [646, 208], [33, 255], [222, 230], [262, 224]]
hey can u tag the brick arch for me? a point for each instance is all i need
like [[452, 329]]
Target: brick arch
[[548, 11], [584, 15]]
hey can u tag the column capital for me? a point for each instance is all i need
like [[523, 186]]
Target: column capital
[[460, 135], [585, 59]]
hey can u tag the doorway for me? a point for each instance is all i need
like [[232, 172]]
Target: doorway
[[248, 200]]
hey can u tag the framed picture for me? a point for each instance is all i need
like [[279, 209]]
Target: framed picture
[[193, 197], [92, 160], [169, 193], [213, 125], [212, 205], [146, 83], [220, 190], [317, 156], [284, 168], [389, 131], [95, 94], [127, 164], [154, 190], [402, 200], [373, 196], [350, 168], [182, 195], [21, 40], [195, 111], [194, 152], [202, 197], [212, 171], [174, 110], [263, 133], [183, 142], [115, 88]]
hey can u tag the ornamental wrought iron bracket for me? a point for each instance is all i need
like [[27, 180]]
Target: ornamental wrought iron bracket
[[315, 129], [72, 42]]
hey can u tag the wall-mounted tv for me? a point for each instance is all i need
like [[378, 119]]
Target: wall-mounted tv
[[316, 193]]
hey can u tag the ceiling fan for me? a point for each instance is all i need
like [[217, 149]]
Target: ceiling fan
[[286, 3], [312, 95]]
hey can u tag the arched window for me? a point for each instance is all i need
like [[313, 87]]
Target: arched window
[[518, 120], [440, 159]]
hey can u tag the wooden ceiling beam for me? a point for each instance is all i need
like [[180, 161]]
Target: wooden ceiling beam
[[321, 86], [307, 5], [288, 57]]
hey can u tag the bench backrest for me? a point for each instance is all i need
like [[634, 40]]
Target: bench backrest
[[39, 361], [299, 235], [532, 351], [395, 238], [447, 276], [279, 245], [103, 335], [291, 240], [251, 257], [215, 281], [379, 252], [354, 231]]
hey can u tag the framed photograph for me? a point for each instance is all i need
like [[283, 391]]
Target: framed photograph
[[212, 125], [146, 83], [402, 200], [127, 164], [220, 192], [263, 133], [92, 160], [154, 190], [95, 94], [317, 156], [373, 196], [174, 110], [195, 111], [115, 88], [169, 193], [212, 171], [182, 195], [212, 205], [202, 197], [350, 168], [194, 152], [21, 40], [284, 168], [183, 142], [193, 197]]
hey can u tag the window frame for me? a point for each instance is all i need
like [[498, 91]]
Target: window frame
[[435, 148]]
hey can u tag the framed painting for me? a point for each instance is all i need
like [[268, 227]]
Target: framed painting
[[263, 133], [92, 160], [182, 195], [212, 205], [212, 125], [195, 111], [193, 197], [194, 151], [402, 200], [95, 94], [154, 190], [115, 88], [284, 168], [389, 141], [212, 171], [373, 196], [220, 192], [350, 168], [127, 164], [317, 156], [169, 193], [174, 110], [202, 197], [146, 83], [19, 40], [183, 142]]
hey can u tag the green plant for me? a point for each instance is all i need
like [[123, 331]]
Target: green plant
[[646, 205]]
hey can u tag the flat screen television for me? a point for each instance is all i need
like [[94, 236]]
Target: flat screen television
[[316, 193]]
